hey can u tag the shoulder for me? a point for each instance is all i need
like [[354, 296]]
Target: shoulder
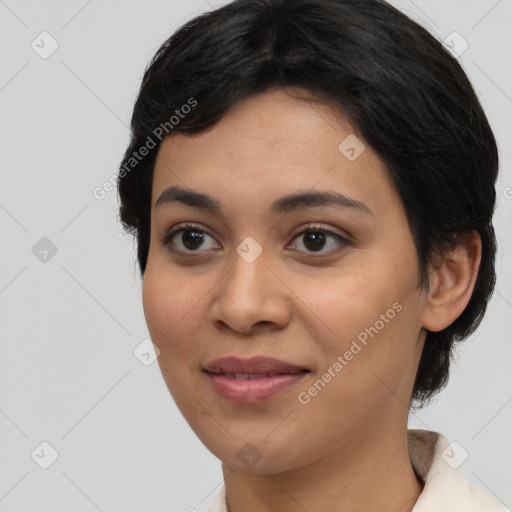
[[446, 486], [482, 501]]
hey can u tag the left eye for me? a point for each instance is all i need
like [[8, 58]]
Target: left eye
[[314, 239]]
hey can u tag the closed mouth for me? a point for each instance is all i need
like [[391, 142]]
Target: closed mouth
[[251, 376]]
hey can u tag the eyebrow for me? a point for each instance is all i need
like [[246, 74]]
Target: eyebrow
[[296, 201]]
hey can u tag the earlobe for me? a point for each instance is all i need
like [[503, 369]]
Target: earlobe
[[451, 282]]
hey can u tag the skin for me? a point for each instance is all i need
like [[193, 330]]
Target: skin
[[347, 448]]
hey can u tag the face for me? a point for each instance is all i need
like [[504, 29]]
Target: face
[[326, 286]]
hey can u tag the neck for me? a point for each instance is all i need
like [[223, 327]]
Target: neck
[[372, 472]]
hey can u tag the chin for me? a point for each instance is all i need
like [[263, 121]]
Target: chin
[[249, 455]]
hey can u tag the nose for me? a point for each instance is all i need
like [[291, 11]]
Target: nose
[[251, 297]]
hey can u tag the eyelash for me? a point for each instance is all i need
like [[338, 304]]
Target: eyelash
[[308, 228]]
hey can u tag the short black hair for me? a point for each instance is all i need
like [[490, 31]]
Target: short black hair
[[395, 82]]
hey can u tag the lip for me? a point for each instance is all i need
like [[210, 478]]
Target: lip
[[248, 391], [245, 391], [257, 364]]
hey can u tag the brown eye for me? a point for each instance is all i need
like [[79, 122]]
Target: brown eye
[[187, 238], [315, 238], [192, 239]]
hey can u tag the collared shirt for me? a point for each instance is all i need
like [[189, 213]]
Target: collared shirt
[[446, 486]]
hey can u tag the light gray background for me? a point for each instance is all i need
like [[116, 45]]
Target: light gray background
[[69, 325]]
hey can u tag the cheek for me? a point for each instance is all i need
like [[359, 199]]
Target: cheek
[[346, 302], [173, 310], [174, 317], [365, 363], [369, 318]]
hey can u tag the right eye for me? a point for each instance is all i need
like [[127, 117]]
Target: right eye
[[192, 237]]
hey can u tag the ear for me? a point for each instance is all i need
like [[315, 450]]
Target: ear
[[451, 282]]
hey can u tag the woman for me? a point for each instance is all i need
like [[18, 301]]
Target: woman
[[311, 185]]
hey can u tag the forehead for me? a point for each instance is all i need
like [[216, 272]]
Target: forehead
[[269, 146]]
